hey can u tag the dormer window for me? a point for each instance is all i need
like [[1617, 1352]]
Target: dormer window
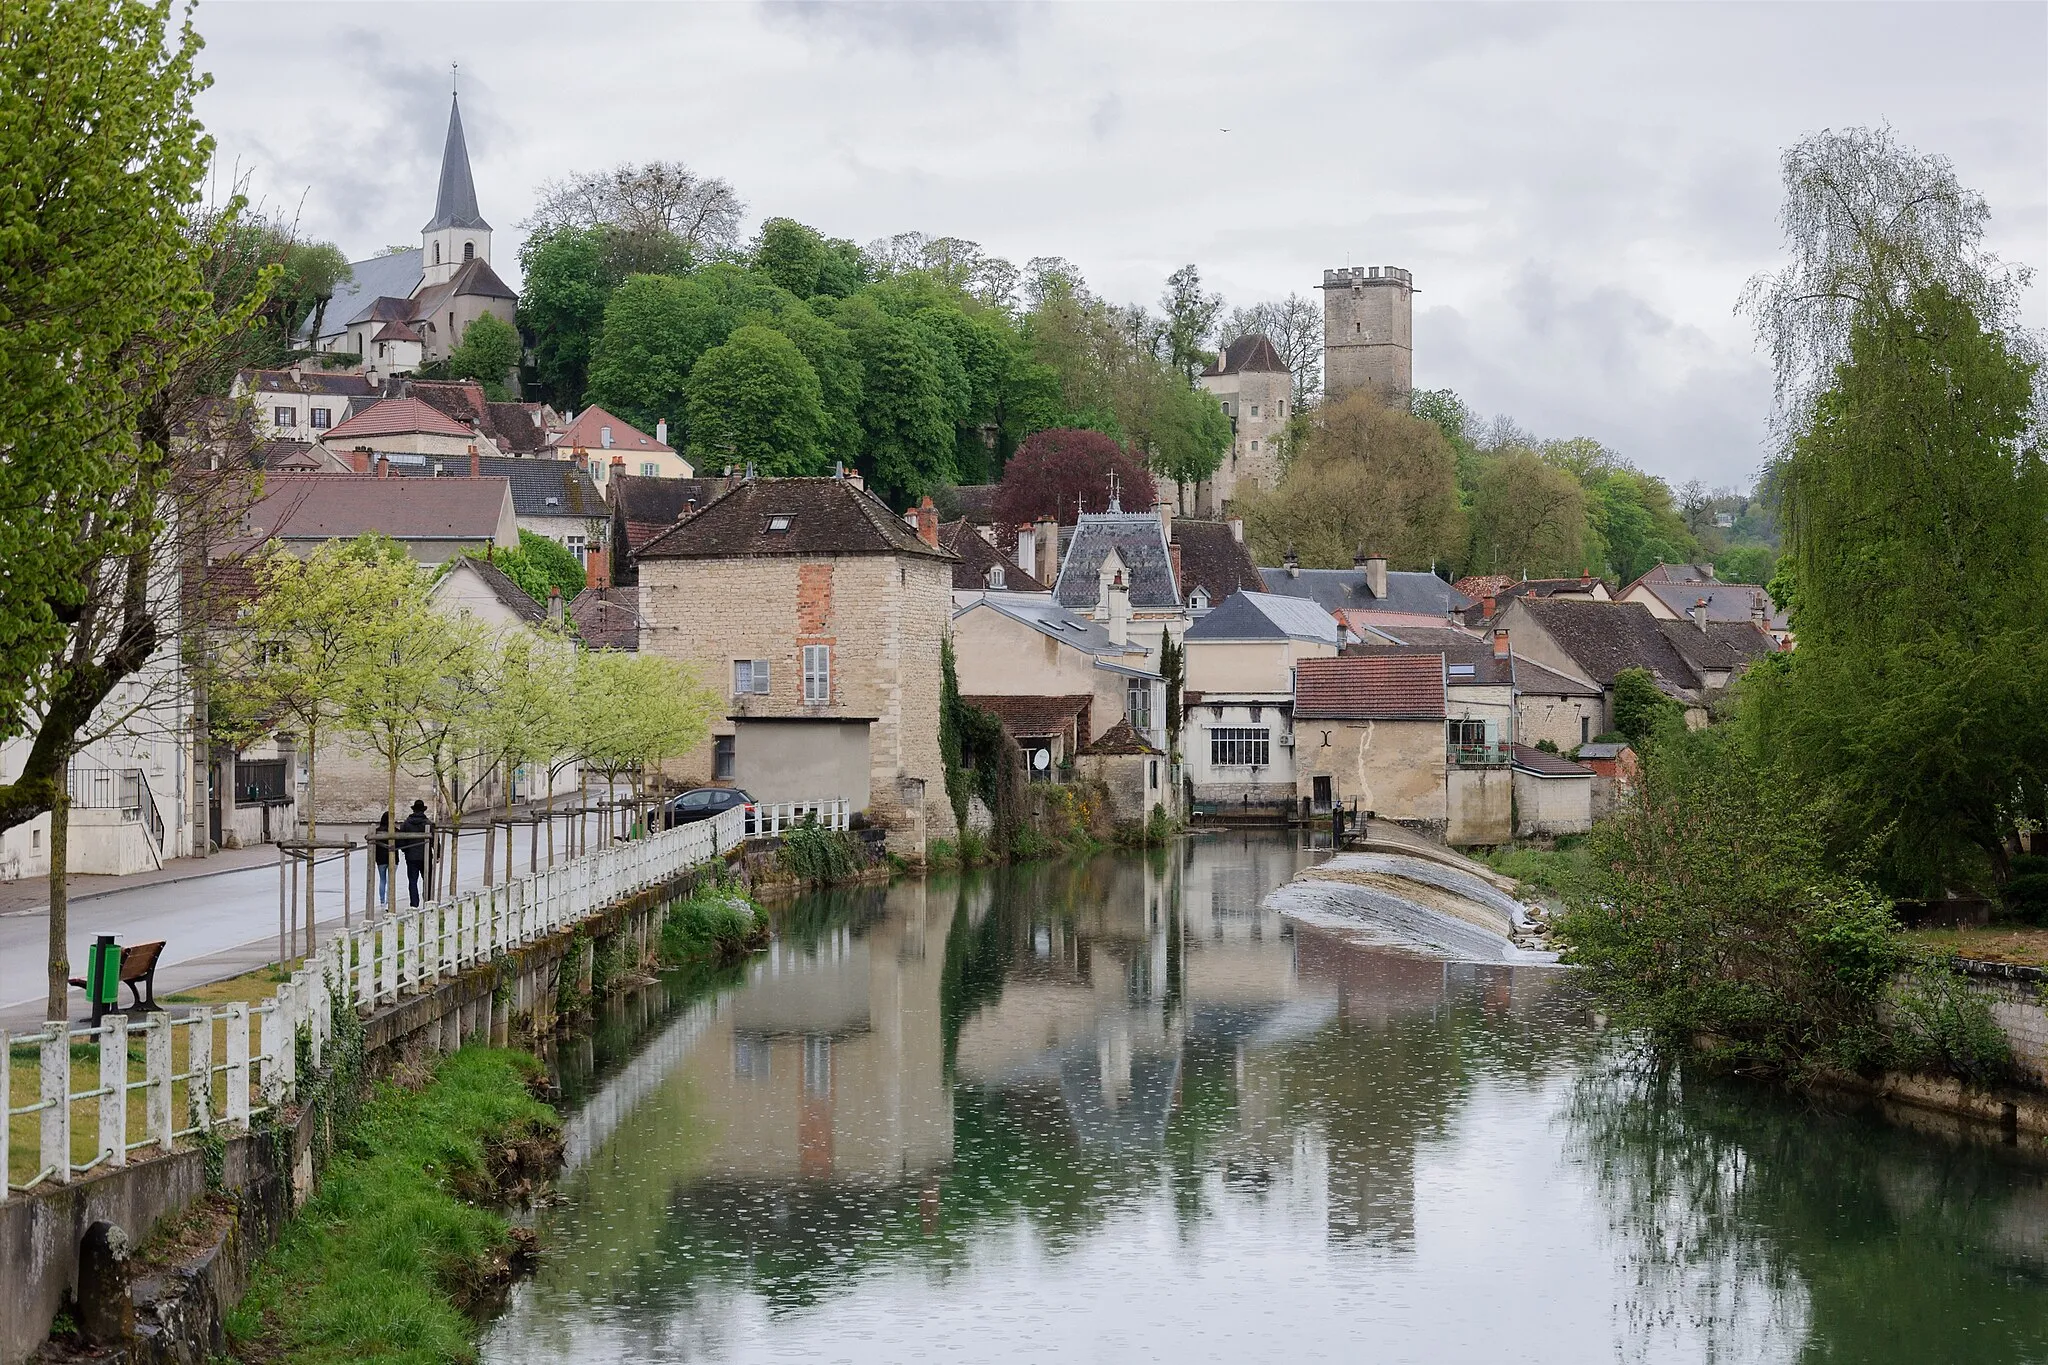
[[777, 525], [1199, 599], [995, 577]]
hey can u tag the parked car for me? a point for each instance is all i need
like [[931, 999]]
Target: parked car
[[699, 803]]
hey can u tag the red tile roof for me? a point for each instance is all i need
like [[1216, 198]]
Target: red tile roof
[[1037, 717], [397, 417], [1403, 687], [587, 432]]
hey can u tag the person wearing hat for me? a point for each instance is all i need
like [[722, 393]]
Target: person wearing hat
[[414, 831]]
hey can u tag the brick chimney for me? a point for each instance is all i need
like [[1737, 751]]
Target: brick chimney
[[618, 466], [597, 568], [555, 608], [1486, 606], [383, 466], [1699, 614], [928, 523], [476, 464], [1500, 644], [1173, 549], [359, 460]]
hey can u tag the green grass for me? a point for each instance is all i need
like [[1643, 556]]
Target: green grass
[[372, 1266], [715, 924], [1550, 871]]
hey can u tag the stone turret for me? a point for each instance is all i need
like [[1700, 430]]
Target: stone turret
[[1368, 331]]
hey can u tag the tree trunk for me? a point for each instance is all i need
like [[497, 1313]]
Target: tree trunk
[[59, 1005]]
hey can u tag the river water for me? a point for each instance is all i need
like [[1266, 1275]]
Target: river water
[[1115, 1112]]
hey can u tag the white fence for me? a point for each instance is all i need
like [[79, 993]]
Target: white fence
[[200, 1071]]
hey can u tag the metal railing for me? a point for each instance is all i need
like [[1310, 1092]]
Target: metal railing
[[1495, 755], [202, 1071], [771, 819], [123, 789]]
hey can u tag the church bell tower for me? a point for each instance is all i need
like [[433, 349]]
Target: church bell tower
[[457, 233]]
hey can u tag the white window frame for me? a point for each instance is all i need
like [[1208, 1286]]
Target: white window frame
[[284, 419], [578, 546], [650, 469], [817, 675], [1240, 746], [751, 677], [1138, 706], [319, 419]]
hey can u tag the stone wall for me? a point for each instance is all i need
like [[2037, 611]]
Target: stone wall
[[1479, 806], [1368, 330], [1394, 767]]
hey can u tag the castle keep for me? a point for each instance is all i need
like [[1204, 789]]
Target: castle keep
[[1368, 331]]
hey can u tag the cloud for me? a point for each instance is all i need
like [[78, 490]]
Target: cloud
[[918, 27]]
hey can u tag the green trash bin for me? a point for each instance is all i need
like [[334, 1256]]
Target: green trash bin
[[103, 976]]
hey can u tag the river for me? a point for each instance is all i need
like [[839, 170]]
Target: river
[[1114, 1111]]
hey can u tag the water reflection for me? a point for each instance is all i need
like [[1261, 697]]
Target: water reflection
[[1115, 1111]]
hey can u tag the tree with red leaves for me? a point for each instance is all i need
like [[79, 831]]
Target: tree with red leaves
[[1058, 472]]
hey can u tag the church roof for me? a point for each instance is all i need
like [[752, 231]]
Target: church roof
[[1251, 352], [394, 276], [455, 204]]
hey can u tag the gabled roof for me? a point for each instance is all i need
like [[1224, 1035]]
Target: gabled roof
[[1036, 717], [310, 380], [396, 331], [502, 586], [1263, 616], [1603, 638], [397, 417], [607, 618], [1054, 621], [1119, 738], [1723, 645], [341, 506], [1214, 560], [1457, 648], [514, 428], [1533, 679], [587, 433], [455, 200], [1249, 352], [978, 557], [395, 276], [1725, 601], [1335, 590], [1534, 760], [1677, 573], [540, 487], [1406, 687], [649, 506], [521, 428], [825, 516], [1139, 540]]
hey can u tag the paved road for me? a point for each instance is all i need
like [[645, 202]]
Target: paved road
[[213, 926]]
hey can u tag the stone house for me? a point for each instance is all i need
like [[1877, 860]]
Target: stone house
[[299, 403], [1692, 662], [1026, 645], [1238, 729], [1678, 592], [1136, 773], [1371, 730], [644, 506], [818, 615], [434, 519], [1553, 795], [1490, 593], [405, 426], [1254, 386], [1049, 730], [983, 566], [1136, 548], [1211, 561], [551, 498], [1614, 768]]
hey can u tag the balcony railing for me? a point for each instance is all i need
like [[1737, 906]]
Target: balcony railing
[[1495, 755], [123, 789]]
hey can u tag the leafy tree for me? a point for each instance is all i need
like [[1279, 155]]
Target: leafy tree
[[1746, 564], [565, 287], [907, 426], [1527, 516], [1183, 431], [1636, 524], [489, 352], [828, 350], [1065, 471], [539, 564], [657, 327], [1190, 318], [755, 401], [312, 272], [790, 254], [1640, 710], [1173, 668]]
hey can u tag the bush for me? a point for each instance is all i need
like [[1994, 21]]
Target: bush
[[2026, 896], [819, 856], [717, 923], [1939, 1024]]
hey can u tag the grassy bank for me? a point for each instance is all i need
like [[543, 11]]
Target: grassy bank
[[718, 923], [401, 1236]]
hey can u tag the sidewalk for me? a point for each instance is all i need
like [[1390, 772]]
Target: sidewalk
[[31, 895]]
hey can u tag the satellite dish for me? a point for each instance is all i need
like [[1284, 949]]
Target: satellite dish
[[1041, 759]]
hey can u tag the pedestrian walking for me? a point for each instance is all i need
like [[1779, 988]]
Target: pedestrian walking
[[415, 831], [384, 849]]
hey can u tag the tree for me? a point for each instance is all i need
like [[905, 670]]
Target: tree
[[1639, 708], [1636, 523], [1746, 564], [1173, 671], [1183, 431], [654, 200], [1367, 478], [657, 327], [1065, 471], [488, 353], [1295, 327], [790, 254], [565, 287], [1527, 516], [755, 401], [828, 350], [907, 427], [539, 565], [1190, 317]]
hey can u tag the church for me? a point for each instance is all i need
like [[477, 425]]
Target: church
[[409, 308]]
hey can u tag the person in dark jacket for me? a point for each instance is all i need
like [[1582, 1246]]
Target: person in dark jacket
[[414, 832], [384, 850]]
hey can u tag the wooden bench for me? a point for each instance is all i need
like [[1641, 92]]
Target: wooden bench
[[138, 974]]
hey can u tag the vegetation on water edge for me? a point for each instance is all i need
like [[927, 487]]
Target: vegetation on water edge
[[717, 923], [398, 1239], [818, 856], [1551, 871]]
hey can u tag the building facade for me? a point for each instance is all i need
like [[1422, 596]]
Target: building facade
[[1368, 332], [1254, 386]]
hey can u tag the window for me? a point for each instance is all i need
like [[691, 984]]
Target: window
[[1239, 746], [1467, 733], [1255, 447], [578, 546], [284, 417], [995, 577], [321, 419], [437, 253], [649, 469], [777, 525], [750, 675], [1138, 706], [259, 782], [1255, 409], [469, 251], [1152, 774], [817, 674], [1585, 729], [723, 760], [451, 323]]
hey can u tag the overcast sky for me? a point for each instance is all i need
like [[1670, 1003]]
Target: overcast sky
[[1580, 191]]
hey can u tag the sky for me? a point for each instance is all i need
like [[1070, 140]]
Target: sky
[[1580, 191]]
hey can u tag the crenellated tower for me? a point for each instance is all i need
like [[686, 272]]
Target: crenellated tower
[[1368, 331]]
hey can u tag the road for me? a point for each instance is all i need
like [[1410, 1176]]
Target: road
[[213, 926]]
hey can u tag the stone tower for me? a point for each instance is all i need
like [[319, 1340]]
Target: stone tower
[[1368, 331], [457, 233]]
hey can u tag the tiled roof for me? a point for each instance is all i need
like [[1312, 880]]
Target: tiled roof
[[214, 593], [976, 502], [1263, 616], [607, 618], [1249, 352], [1603, 638], [540, 487], [520, 428], [587, 433], [649, 506], [1036, 717], [394, 276], [790, 517], [1335, 590], [1722, 645], [1406, 687], [1533, 760], [398, 417], [1678, 573], [1119, 738], [1139, 539], [311, 380], [977, 557], [1456, 646], [338, 506], [1532, 678], [395, 330], [1725, 601], [504, 588], [1213, 559]]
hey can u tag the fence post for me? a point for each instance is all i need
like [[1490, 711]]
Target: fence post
[[238, 1066], [156, 1057], [199, 1068], [267, 1078], [387, 960], [114, 1089], [57, 1100]]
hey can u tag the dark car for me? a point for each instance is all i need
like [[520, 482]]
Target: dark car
[[699, 803]]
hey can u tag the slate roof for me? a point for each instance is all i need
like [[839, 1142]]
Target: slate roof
[[1119, 738], [338, 506], [1213, 559], [976, 502], [455, 200], [1140, 539], [1050, 619], [397, 417], [977, 557], [1533, 760], [1455, 645], [1725, 601], [312, 380], [1036, 717], [587, 433], [1678, 573], [1405, 687], [534, 482], [475, 279], [1601, 750], [380, 277], [504, 588], [1603, 638], [395, 330], [825, 517], [607, 618], [1263, 616], [1251, 352], [648, 506], [1335, 590]]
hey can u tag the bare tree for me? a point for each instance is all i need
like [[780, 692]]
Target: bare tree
[[657, 198]]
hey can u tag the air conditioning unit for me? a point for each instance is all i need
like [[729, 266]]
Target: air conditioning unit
[[1286, 740]]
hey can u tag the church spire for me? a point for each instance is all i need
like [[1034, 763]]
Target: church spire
[[455, 204]]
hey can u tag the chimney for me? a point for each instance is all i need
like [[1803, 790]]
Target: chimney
[[1166, 517], [298, 372], [1376, 575], [1585, 578], [604, 437], [1027, 549], [1173, 550], [1500, 644], [1292, 563], [1699, 613], [383, 466], [1486, 606], [1237, 529], [618, 465], [597, 568], [987, 533], [555, 608], [476, 464], [661, 432], [1048, 542], [1759, 614], [689, 508], [1119, 610], [359, 460], [928, 523]]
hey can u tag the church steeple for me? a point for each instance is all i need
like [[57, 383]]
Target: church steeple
[[455, 205]]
